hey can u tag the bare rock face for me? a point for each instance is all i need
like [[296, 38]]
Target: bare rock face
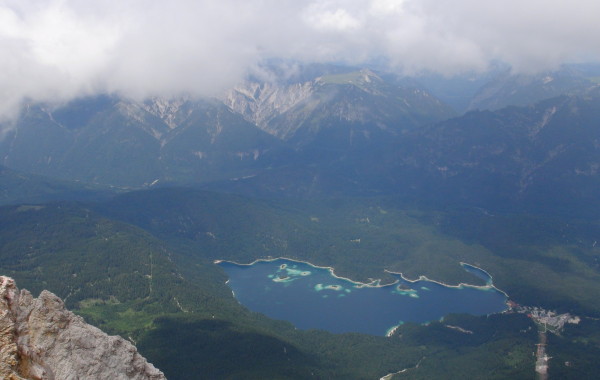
[[40, 339]]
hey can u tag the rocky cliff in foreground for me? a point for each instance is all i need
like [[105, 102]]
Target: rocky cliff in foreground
[[40, 339]]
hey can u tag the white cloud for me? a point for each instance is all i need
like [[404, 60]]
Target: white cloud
[[53, 50], [384, 7], [320, 17]]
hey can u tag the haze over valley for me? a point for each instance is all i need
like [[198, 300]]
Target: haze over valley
[[355, 157]]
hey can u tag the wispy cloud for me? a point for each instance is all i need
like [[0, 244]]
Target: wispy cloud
[[53, 50]]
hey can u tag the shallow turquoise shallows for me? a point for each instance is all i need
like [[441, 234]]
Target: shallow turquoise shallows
[[313, 298]]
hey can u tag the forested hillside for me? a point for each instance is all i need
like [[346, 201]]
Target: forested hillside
[[169, 297]]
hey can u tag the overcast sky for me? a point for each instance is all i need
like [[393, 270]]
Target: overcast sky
[[59, 49]]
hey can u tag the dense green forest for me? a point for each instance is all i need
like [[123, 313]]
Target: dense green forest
[[141, 265], [575, 352], [536, 259]]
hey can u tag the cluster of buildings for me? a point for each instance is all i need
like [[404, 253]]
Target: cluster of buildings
[[549, 319]]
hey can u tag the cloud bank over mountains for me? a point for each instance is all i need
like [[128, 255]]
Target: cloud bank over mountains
[[54, 50]]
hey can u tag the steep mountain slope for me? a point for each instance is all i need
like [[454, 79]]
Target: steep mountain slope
[[285, 125], [544, 157], [119, 142], [87, 140], [507, 89], [456, 91], [339, 123], [346, 133], [100, 267], [334, 110]]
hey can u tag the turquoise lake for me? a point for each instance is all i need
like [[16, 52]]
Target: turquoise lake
[[313, 298]]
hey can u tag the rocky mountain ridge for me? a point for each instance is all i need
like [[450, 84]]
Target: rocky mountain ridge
[[40, 339], [261, 102], [352, 132], [509, 89], [298, 110]]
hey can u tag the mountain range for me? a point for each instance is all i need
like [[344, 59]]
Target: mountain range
[[350, 132], [120, 206]]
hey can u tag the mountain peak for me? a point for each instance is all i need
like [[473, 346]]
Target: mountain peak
[[165, 109], [359, 78]]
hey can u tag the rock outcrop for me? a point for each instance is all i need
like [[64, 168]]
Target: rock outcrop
[[40, 339]]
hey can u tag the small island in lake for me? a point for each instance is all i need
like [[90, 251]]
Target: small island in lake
[[313, 297]]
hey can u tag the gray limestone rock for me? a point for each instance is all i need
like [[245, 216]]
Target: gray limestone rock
[[40, 339]]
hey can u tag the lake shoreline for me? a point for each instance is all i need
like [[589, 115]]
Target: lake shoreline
[[382, 317], [376, 283]]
